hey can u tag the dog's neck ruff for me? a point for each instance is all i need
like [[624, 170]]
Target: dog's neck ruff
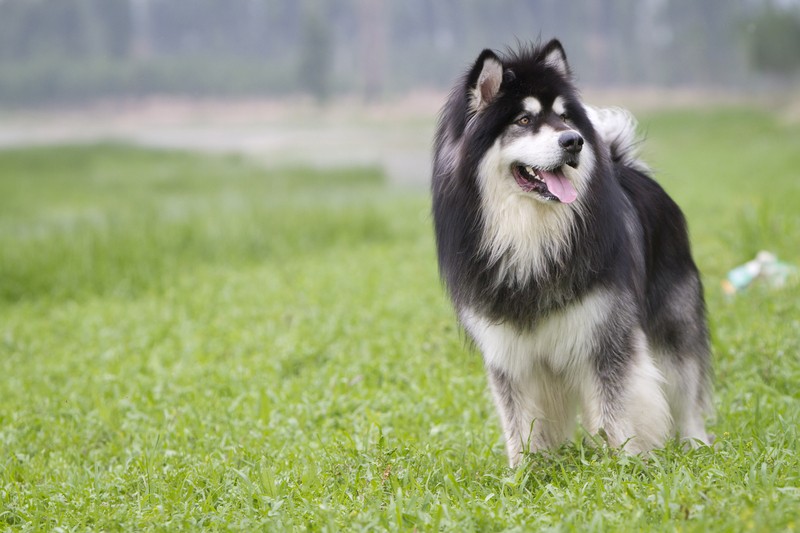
[[521, 236]]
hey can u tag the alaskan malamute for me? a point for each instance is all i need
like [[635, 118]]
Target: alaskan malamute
[[568, 266]]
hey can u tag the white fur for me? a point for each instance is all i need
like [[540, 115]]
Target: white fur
[[616, 128], [542, 414], [561, 341], [645, 420], [532, 105], [683, 390], [548, 368], [520, 231], [558, 106], [538, 150], [550, 373]]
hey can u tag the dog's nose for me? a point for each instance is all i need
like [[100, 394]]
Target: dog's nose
[[571, 141]]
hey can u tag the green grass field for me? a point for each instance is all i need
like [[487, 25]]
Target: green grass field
[[194, 342]]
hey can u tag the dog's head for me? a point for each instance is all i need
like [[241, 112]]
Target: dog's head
[[526, 113]]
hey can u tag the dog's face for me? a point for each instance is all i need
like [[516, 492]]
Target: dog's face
[[538, 127]]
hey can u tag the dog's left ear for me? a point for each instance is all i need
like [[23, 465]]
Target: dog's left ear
[[485, 79], [556, 58]]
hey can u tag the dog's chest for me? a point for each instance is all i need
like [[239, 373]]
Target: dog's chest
[[561, 340]]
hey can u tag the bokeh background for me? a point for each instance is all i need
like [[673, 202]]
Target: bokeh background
[[74, 51], [360, 81]]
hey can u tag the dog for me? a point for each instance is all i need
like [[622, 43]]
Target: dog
[[568, 266]]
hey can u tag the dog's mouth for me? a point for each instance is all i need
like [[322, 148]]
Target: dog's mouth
[[549, 184]]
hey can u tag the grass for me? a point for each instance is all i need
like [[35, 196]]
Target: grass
[[194, 342]]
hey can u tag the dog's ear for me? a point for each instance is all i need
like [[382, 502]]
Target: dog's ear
[[485, 79], [555, 57]]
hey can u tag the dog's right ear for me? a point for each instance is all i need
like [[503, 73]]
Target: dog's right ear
[[485, 79], [556, 58]]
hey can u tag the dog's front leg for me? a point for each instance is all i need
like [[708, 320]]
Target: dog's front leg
[[622, 394], [515, 421], [536, 411]]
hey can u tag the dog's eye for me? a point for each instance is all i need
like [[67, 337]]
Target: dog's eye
[[524, 121], [564, 116]]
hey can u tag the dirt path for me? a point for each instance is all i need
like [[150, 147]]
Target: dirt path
[[395, 137]]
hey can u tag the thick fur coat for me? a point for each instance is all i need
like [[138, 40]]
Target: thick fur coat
[[567, 264]]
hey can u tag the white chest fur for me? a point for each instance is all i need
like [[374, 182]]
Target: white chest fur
[[561, 340]]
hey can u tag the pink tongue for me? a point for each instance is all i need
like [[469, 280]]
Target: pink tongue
[[559, 186]]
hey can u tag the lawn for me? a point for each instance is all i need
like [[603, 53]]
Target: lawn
[[191, 341]]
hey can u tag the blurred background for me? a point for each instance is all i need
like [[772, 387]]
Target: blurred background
[[272, 77], [72, 51], [219, 299]]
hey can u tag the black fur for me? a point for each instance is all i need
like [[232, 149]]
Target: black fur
[[599, 247]]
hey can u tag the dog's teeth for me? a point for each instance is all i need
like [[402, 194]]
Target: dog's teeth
[[530, 170]]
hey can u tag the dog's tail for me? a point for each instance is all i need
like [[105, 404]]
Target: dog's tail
[[616, 128]]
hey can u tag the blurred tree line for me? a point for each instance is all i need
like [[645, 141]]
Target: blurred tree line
[[76, 50]]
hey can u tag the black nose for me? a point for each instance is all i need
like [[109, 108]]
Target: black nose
[[571, 141]]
